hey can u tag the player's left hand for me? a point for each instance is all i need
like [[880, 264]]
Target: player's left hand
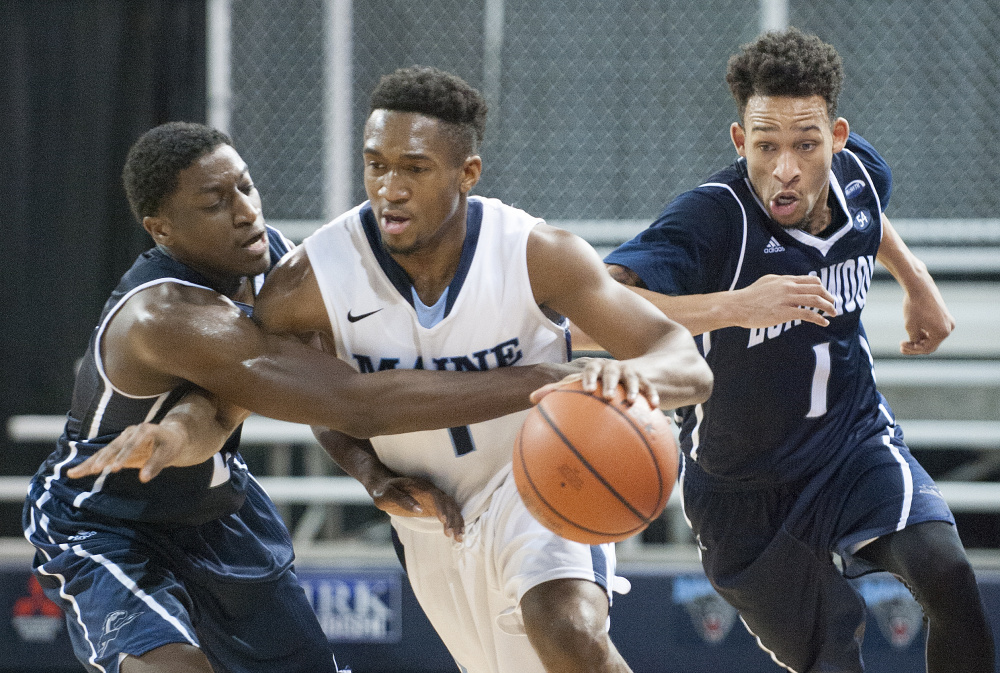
[[927, 320], [606, 374], [413, 496], [150, 447]]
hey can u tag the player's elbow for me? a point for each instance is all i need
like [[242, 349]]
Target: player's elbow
[[690, 375], [693, 379], [704, 380]]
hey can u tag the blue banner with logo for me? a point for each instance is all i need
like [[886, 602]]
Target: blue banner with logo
[[670, 622], [356, 607]]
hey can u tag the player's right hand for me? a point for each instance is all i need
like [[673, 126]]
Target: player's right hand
[[601, 376], [150, 447], [772, 300], [413, 496]]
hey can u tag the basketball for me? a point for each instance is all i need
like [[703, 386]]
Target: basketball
[[594, 470]]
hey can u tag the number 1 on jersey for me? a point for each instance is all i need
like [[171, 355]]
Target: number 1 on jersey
[[821, 376], [461, 439]]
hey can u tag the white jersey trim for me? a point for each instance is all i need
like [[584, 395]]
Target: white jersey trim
[[99, 359], [743, 245]]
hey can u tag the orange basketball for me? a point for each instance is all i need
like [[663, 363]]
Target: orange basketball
[[594, 470]]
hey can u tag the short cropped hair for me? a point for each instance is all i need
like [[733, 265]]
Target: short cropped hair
[[158, 156], [789, 63], [439, 94]]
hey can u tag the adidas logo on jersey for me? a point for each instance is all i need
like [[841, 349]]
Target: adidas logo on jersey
[[773, 246]]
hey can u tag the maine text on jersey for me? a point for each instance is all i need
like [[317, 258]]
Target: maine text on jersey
[[847, 281], [504, 354]]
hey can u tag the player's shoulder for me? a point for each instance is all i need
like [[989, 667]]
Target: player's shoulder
[[167, 316], [170, 299], [715, 206], [495, 211], [294, 266], [554, 240], [334, 239], [859, 153]]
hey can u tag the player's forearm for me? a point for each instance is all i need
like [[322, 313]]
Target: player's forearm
[[207, 424], [908, 270], [699, 313], [299, 384], [356, 457]]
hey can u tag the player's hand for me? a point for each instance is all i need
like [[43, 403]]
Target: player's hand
[[150, 447], [772, 300], [413, 496], [927, 320], [605, 375]]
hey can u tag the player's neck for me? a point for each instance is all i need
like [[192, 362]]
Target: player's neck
[[237, 288], [244, 291], [430, 273], [432, 266]]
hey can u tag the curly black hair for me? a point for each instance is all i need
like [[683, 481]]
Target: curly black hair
[[158, 156], [439, 94], [789, 63]]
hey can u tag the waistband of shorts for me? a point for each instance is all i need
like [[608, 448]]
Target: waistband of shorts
[[697, 477]]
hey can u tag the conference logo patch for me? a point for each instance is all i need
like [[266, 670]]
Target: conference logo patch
[[712, 617], [853, 188]]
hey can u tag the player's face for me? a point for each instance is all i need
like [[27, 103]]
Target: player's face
[[213, 221], [415, 182], [789, 145]]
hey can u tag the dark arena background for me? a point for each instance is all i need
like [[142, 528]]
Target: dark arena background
[[600, 113]]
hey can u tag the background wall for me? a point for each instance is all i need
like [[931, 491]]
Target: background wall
[[80, 81]]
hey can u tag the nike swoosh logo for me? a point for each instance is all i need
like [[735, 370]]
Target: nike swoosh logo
[[355, 318]]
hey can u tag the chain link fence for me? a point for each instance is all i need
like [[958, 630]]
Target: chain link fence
[[277, 102], [606, 109], [923, 84]]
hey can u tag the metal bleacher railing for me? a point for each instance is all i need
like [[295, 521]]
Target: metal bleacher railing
[[965, 255]]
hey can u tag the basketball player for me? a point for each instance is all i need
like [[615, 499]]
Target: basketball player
[[796, 456], [425, 276], [192, 571]]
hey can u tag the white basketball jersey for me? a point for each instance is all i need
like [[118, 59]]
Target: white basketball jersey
[[491, 320]]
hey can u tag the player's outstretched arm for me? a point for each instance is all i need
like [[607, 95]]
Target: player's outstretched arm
[[926, 317], [392, 493], [392, 401], [172, 333], [654, 352], [770, 300], [189, 434]]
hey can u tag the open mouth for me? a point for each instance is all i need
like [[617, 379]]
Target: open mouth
[[394, 223], [783, 205], [257, 244]]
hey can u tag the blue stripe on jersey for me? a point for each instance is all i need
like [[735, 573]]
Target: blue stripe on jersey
[[599, 561], [395, 273], [473, 222]]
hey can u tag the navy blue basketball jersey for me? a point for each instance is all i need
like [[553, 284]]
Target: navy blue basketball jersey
[[99, 413], [786, 396]]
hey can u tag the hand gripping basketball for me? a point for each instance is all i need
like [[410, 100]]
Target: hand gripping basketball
[[594, 470]]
